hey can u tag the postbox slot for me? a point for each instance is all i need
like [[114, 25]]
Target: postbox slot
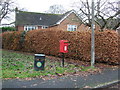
[[66, 42]]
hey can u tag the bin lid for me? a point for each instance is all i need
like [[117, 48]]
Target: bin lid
[[39, 54]]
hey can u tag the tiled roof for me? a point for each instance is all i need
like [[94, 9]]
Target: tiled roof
[[31, 18]]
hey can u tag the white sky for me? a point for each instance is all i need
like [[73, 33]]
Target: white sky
[[43, 5]]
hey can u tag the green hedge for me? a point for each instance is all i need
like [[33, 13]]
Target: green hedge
[[4, 29]]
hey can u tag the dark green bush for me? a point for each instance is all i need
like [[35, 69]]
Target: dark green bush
[[4, 29]]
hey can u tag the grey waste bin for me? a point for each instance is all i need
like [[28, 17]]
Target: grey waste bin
[[39, 62]]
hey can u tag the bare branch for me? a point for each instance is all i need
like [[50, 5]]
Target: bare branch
[[116, 26], [117, 13], [88, 8], [56, 9], [7, 6], [105, 12]]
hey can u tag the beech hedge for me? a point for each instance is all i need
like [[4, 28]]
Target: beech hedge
[[107, 43]]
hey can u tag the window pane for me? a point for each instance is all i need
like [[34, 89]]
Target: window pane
[[25, 28], [71, 27], [74, 29], [36, 27]]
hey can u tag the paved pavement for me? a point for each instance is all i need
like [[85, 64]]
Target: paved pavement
[[96, 80]]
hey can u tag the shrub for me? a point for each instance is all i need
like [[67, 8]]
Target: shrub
[[10, 40], [47, 41], [4, 29]]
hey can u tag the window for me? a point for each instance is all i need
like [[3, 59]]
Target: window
[[71, 27], [44, 27], [40, 18], [27, 28]]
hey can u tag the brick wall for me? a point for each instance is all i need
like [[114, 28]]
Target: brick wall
[[72, 19], [39, 27], [83, 27], [20, 28]]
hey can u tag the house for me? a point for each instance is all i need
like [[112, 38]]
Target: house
[[69, 21]]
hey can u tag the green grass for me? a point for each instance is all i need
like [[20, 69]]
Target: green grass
[[15, 65]]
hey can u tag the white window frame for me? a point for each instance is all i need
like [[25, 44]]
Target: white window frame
[[71, 27], [29, 27], [44, 27]]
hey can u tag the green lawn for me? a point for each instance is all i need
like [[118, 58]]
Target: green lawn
[[16, 65]]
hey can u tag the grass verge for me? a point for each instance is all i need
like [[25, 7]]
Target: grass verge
[[16, 65]]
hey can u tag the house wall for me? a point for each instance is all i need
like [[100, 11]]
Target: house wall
[[20, 28], [39, 27], [83, 27], [72, 19], [97, 27]]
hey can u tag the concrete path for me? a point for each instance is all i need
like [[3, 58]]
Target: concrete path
[[106, 77]]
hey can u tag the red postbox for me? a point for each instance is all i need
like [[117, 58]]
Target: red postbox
[[64, 46]]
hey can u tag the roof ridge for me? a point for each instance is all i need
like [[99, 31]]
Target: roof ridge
[[39, 13]]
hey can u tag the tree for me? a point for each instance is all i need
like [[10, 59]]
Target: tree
[[56, 9], [6, 7], [105, 13]]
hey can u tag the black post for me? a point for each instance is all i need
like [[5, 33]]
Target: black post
[[63, 59]]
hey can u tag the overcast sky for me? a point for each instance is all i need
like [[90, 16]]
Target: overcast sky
[[42, 5]]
